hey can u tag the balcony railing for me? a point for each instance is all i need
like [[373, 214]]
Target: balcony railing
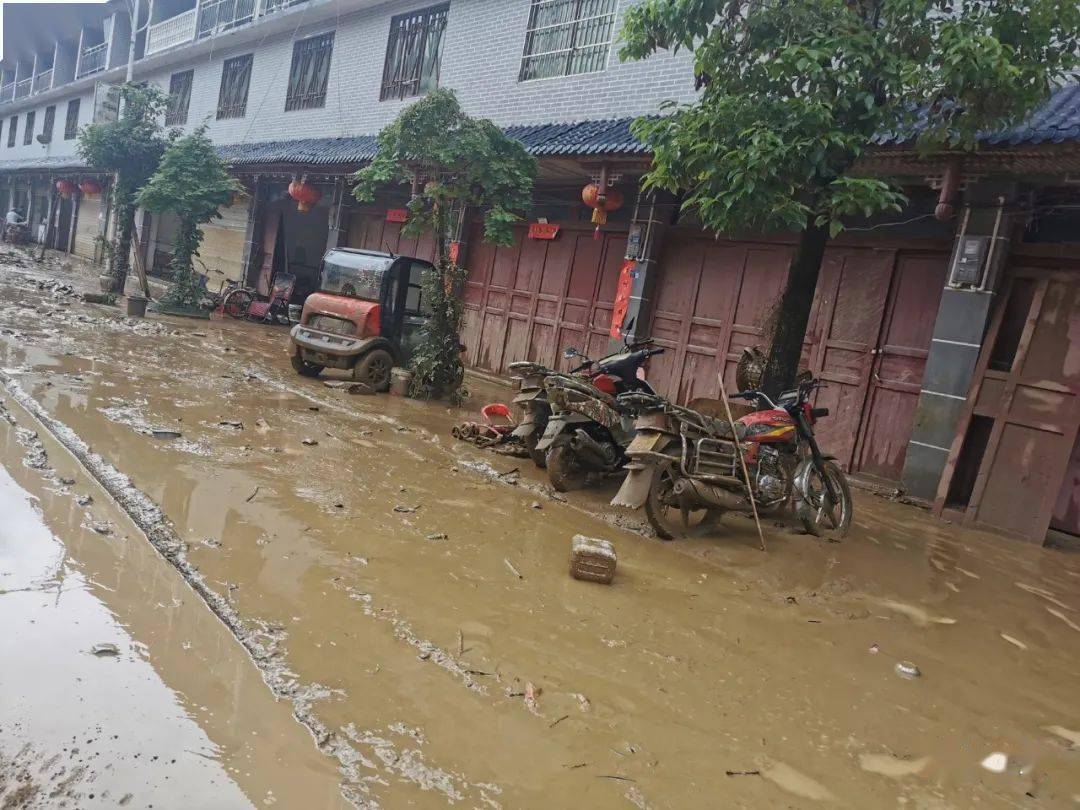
[[93, 59], [272, 6], [216, 16], [23, 88], [43, 81], [7, 92], [173, 31]]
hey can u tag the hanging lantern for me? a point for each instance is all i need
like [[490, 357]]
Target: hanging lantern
[[65, 188], [90, 187], [613, 200], [305, 194]]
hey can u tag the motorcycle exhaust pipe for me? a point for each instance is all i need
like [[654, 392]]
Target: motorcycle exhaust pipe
[[588, 450], [698, 494]]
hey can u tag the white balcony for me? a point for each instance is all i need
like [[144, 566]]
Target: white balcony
[[7, 92], [43, 81], [23, 88], [216, 16], [173, 31], [92, 59]]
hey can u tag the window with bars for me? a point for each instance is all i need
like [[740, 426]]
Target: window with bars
[[71, 123], [309, 73], [235, 78], [413, 53], [47, 124], [13, 125], [179, 98], [28, 132], [567, 37]]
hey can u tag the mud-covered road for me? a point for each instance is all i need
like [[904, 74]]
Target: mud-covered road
[[312, 603]]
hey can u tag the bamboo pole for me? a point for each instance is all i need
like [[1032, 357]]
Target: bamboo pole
[[742, 459]]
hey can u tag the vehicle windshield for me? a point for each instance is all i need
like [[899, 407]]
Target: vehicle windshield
[[357, 275]]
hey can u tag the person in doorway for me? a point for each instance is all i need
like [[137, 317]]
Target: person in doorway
[[13, 222]]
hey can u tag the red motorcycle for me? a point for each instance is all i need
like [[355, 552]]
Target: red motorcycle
[[684, 464]]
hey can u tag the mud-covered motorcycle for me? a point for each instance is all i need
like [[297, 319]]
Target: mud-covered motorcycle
[[684, 465], [588, 429], [535, 408]]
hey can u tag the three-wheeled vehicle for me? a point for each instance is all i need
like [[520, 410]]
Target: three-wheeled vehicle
[[366, 316]]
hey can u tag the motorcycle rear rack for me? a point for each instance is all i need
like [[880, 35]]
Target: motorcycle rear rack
[[709, 457]]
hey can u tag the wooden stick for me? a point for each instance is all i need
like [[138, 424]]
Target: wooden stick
[[742, 460]]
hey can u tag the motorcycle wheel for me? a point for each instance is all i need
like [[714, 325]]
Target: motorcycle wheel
[[811, 511], [564, 470], [663, 511], [539, 457]]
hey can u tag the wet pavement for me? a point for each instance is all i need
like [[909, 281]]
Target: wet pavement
[[405, 597]]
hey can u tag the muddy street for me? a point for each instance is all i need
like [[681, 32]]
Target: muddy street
[[319, 599]]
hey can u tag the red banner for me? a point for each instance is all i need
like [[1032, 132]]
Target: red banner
[[543, 230], [397, 215], [622, 296]]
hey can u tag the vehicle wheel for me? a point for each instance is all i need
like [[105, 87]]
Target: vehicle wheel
[[663, 510], [564, 470], [304, 369], [818, 518], [539, 457], [373, 369], [236, 303]]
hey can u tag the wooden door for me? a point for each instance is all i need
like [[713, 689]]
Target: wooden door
[[1020, 431], [843, 335], [898, 364], [534, 298], [88, 226]]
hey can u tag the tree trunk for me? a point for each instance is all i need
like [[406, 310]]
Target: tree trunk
[[120, 260], [794, 312]]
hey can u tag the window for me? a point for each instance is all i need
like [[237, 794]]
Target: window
[[28, 133], [71, 123], [413, 53], [567, 37], [415, 303], [47, 124], [235, 77], [179, 98], [309, 73], [12, 126]]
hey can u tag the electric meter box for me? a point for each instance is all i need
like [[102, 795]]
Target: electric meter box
[[975, 261]]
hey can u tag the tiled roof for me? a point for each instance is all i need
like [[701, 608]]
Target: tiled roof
[[1056, 121]]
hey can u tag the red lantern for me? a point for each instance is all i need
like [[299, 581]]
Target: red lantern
[[66, 188], [90, 187], [305, 194], [613, 200]]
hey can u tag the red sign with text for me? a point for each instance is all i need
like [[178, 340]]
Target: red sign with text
[[622, 297], [397, 215], [543, 230]]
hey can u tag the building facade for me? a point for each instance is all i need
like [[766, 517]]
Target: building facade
[[945, 381]]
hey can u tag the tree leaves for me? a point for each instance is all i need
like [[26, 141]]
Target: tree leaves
[[796, 92]]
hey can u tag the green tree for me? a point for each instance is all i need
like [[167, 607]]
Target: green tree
[[131, 147], [193, 183], [455, 165], [792, 93]]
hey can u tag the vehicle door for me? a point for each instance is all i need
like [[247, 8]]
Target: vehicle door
[[417, 309]]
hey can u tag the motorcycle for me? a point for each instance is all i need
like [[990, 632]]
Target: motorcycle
[[588, 429], [684, 465], [535, 408]]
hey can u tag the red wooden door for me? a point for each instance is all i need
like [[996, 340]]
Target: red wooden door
[[1022, 427], [843, 338], [898, 365], [533, 299]]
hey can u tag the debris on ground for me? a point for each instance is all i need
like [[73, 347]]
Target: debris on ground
[[513, 570], [105, 649], [592, 559], [84, 500], [436, 536], [67, 481], [996, 762], [165, 434], [361, 388], [236, 424], [101, 528], [309, 442], [405, 509], [906, 669]]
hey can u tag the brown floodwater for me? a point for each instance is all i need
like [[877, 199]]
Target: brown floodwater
[[424, 626]]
